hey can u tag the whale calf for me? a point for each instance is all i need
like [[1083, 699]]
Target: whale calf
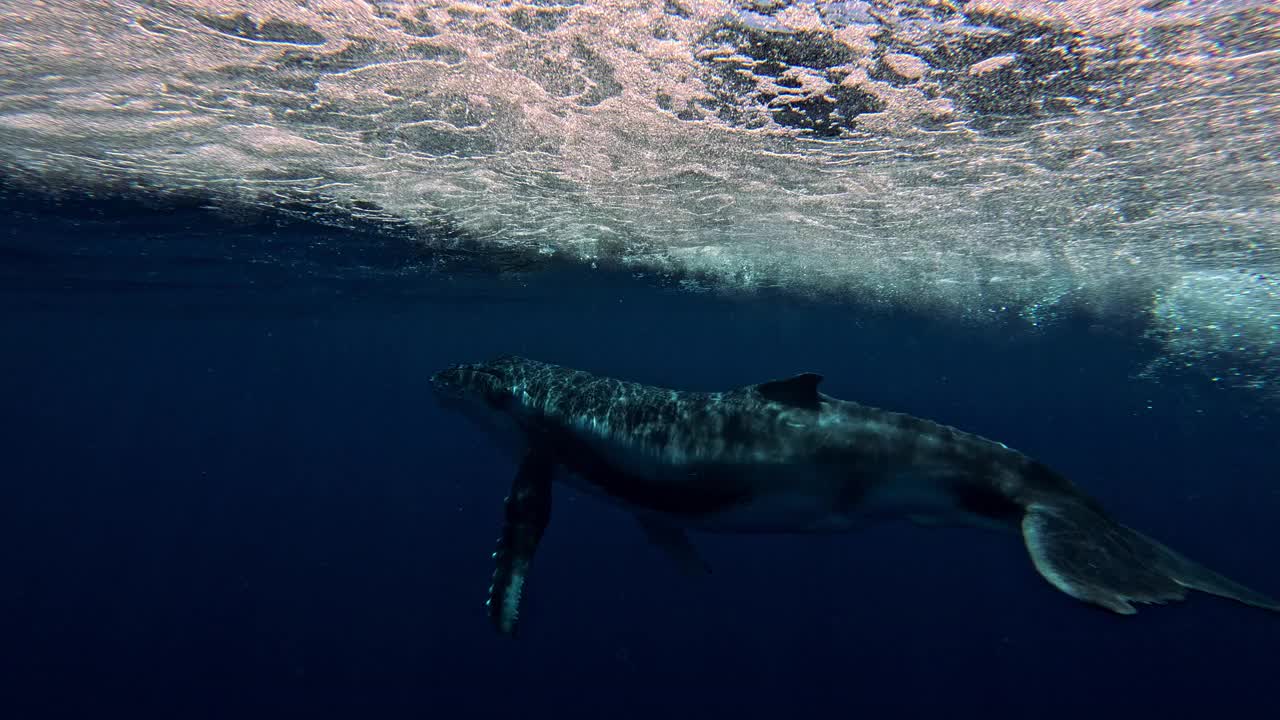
[[780, 456]]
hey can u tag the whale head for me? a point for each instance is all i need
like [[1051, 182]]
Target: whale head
[[474, 384], [486, 393]]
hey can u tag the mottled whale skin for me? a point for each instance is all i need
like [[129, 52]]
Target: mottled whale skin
[[782, 457]]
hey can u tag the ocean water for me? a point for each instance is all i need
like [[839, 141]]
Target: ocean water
[[229, 493], [239, 239]]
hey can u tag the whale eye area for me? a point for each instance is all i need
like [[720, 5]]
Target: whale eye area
[[497, 398], [492, 387]]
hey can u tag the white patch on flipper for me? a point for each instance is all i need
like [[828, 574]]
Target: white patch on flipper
[[511, 600]]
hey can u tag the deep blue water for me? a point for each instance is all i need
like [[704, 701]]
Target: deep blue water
[[227, 492]]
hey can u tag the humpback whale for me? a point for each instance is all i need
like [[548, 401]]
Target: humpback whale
[[780, 456]]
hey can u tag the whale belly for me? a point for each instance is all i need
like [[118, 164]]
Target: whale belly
[[784, 499], [933, 499]]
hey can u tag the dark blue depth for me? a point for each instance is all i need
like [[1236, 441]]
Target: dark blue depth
[[233, 496]]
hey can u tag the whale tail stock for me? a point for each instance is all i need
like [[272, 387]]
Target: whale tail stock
[[1087, 555]]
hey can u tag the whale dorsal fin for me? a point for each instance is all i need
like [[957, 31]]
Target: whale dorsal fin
[[800, 391]]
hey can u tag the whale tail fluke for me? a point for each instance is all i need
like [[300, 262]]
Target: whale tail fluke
[[1091, 557]]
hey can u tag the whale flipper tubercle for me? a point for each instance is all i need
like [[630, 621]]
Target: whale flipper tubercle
[[527, 510], [1090, 557]]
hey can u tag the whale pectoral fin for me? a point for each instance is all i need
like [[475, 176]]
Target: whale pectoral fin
[[1092, 558], [527, 511], [675, 543]]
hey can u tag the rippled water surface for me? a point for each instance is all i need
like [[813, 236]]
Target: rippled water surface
[[972, 159]]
